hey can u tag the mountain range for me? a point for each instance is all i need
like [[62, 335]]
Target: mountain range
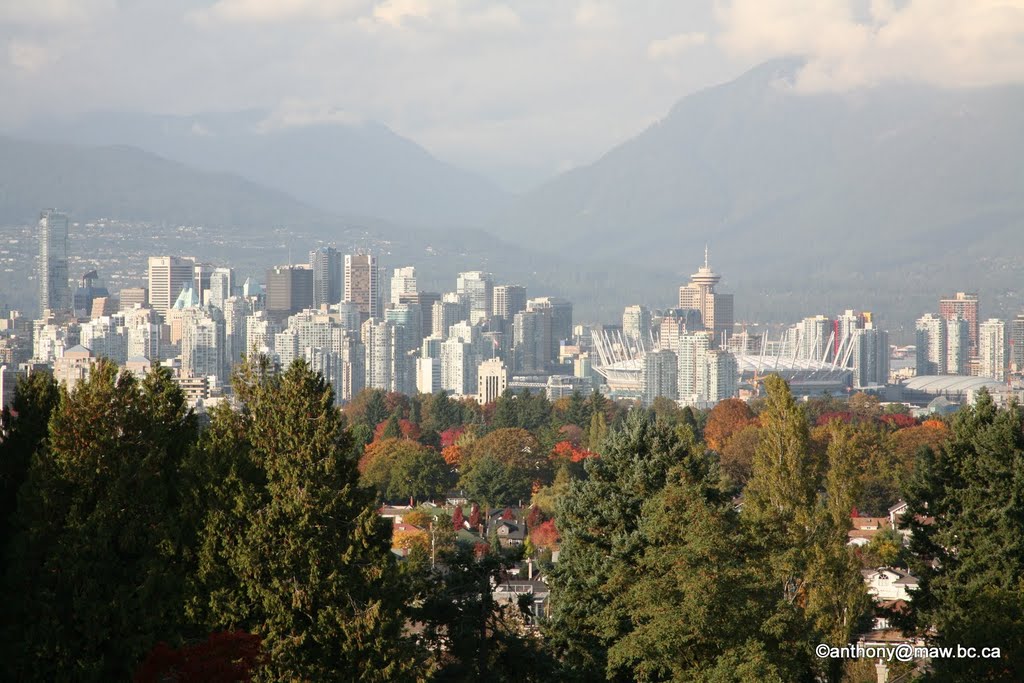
[[343, 166], [879, 198]]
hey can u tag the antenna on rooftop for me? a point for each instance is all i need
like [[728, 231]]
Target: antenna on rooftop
[[705, 254]]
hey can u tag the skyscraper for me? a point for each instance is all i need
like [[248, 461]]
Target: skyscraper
[[222, 285], [531, 341], [403, 281], [661, 375], [327, 276], [54, 289], [869, 358], [958, 337], [561, 321], [168, 275], [361, 285], [509, 300], [1017, 344], [992, 349], [931, 345], [479, 287], [965, 305], [289, 289], [636, 325], [716, 309]]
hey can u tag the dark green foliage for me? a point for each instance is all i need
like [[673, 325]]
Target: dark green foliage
[[493, 482], [579, 410], [470, 636], [524, 410], [35, 398], [599, 520], [967, 513], [96, 574], [293, 550]]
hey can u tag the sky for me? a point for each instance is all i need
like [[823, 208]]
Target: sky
[[518, 90]]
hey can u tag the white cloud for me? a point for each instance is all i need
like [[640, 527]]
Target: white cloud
[[594, 15], [673, 46], [453, 15], [944, 42], [274, 11], [29, 56], [49, 12], [294, 112]]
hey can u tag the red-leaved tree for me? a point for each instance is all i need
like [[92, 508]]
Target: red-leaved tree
[[224, 657]]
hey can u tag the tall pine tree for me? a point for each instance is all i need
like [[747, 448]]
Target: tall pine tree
[[295, 551]]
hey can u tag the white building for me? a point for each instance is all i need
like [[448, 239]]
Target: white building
[[958, 345], [403, 281], [992, 349], [661, 375], [479, 288], [492, 380], [931, 345]]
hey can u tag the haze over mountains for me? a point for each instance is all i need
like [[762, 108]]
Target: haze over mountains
[[344, 166], [868, 196]]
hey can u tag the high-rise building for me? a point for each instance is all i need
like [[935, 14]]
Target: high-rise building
[[362, 284], [965, 305], [259, 332], [671, 329], [236, 316], [716, 309], [636, 325], [492, 380], [222, 286], [1017, 344], [168, 275], [992, 349], [384, 368], [931, 345], [509, 300], [869, 358], [814, 334], [458, 367], [692, 354], [561, 321], [90, 288], [958, 339], [289, 290], [130, 297], [202, 344], [661, 375], [201, 273], [479, 287], [718, 376], [426, 301], [403, 281], [444, 315], [54, 288], [105, 337], [143, 333], [327, 276], [428, 374], [531, 341]]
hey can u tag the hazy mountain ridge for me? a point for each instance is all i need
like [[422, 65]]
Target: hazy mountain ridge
[[776, 180], [343, 166]]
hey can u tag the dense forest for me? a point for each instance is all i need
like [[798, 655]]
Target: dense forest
[[144, 542]]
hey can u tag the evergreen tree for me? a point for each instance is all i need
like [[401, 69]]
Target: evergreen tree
[[296, 553], [579, 411], [23, 429], [598, 431], [96, 574], [599, 520], [392, 428], [376, 408], [966, 512]]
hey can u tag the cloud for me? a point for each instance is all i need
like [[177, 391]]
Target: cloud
[[594, 15], [673, 46], [50, 12], [29, 56], [850, 45], [454, 15], [275, 11], [294, 113]]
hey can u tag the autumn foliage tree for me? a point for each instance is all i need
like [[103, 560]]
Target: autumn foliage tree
[[224, 657], [724, 420]]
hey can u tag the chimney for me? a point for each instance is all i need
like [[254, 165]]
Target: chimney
[[529, 569]]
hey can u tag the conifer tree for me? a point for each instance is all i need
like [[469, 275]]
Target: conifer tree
[[295, 551], [96, 574]]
